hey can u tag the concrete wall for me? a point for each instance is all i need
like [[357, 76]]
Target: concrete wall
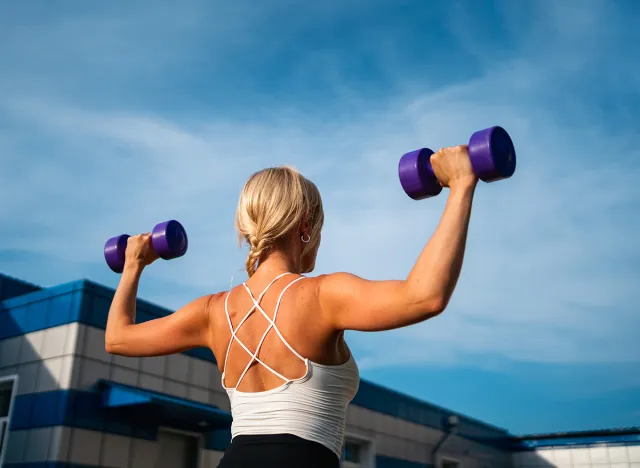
[[400, 439]]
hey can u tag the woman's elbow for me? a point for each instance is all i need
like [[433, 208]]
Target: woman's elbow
[[438, 306], [113, 346], [428, 306], [433, 307], [110, 347]]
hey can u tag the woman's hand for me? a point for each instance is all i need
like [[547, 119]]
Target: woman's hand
[[452, 167], [140, 252]]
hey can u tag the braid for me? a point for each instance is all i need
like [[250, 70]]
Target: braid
[[256, 249]]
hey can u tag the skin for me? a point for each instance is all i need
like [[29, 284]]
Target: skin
[[314, 312]]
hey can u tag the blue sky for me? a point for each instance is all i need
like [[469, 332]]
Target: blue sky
[[117, 115]]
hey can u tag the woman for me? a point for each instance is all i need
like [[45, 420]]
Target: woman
[[279, 338]]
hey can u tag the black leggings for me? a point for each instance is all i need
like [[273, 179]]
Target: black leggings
[[277, 451]]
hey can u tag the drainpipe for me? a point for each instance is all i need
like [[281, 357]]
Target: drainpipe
[[450, 427]]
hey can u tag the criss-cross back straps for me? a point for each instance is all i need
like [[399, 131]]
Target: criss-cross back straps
[[272, 325], [233, 332]]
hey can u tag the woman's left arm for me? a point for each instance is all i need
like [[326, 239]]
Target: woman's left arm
[[186, 328]]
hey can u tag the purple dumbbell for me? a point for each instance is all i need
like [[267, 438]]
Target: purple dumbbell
[[169, 240], [492, 155]]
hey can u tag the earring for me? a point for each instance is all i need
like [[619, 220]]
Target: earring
[[306, 241]]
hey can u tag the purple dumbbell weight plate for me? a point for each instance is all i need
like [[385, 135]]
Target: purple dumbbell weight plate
[[169, 240], [114, 250], [492, 154], [416, 174]]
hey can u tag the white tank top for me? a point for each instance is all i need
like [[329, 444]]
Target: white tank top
[[312, 407]]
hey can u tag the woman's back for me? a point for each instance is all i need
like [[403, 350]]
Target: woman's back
[[283, 372], [298, 333]]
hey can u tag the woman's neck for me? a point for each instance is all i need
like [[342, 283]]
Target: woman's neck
[[278, 261]]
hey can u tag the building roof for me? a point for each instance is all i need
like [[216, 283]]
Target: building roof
[[633, 430], [13, 287]]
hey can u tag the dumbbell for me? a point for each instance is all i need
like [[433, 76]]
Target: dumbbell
[[169, 240], [492, 155]]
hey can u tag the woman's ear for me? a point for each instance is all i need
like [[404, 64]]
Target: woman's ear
[[304, 224], [304, 230]]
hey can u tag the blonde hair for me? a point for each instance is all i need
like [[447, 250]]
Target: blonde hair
[[273, 203]]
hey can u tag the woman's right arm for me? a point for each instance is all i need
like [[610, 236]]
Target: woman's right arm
[[352, 303]]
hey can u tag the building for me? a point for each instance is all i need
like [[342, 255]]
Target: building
[[65, 402]]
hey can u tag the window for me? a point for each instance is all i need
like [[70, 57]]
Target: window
[[351, 452], [178, 450], [449, 463], [7, 392], [358, 451]]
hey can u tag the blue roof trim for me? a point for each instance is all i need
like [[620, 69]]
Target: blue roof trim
[[587, 433], [40, 310], [42, 294], [115, 395]]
